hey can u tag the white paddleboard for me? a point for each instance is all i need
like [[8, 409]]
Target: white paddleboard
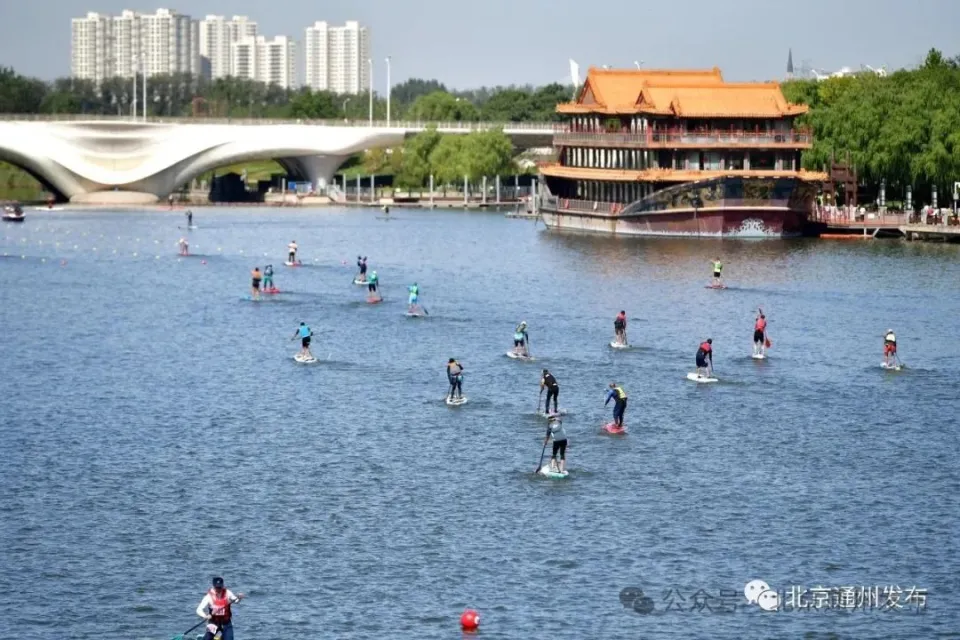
[[48, 208], [518, 356], [360, 282], [304, 359], [456, 402], [293, 264], [697, 378], [414, 315], [545, 470], [890, 367], [617, 345], [759, 356], [562, 412]]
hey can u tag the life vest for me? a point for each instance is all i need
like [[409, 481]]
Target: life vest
[[705, 348], [761, 324], [621, 319], [219, 607], [717, 267], [891, 338], [621, 394]]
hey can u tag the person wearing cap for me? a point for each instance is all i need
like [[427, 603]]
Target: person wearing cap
[[548, 382], [215, 608], [558, 459], [305, 334], [362, 266], [520, 340], [705, 355], [184, 247], [455, 378], [889, 347], [619, 396]]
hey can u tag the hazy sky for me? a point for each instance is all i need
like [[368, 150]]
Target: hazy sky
[[489, 42]]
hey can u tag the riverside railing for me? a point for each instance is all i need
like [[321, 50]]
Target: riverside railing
[[533, 127], [692, 138]]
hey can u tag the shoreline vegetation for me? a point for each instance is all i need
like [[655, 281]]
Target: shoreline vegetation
[[900, 130]]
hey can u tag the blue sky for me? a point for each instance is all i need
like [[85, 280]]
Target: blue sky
[[470, 44]]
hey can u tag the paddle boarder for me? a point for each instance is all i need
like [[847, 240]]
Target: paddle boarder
[[548, 382], [717, 269], [705, 355], [558, 459], [184, 247], [189, 218], [455, 378], [292, 252], [215, 608], [889, 347], [620, 327], [362, 265], [304, 333], [372, 285], [619, 396], [759, 333], [414, 298], [520, 340], [268, 277], [256, 277]]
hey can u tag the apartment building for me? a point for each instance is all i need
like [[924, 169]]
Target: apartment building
[[216, 38], [336, 57]]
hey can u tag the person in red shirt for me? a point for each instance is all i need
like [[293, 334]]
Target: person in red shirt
[[759, 334], [705, 358], [620, 327], [215, 608]]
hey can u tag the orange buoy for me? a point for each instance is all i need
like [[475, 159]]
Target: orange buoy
[[470, 620]]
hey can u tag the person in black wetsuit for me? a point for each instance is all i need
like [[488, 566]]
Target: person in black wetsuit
[[362, 265], [553, 391], [455, 378]]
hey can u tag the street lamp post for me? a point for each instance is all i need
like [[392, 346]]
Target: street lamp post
[[370, 87], [345, 109], [388, 91], [144, 67]]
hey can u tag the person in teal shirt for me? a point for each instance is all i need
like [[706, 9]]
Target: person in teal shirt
[[521, 339], [268, 277], [304, 333], [372, 286], [414, 297]]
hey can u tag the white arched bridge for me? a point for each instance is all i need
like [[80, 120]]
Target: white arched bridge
[[116, 159]]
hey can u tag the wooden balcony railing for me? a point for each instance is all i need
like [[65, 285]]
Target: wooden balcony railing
[[677, 139]]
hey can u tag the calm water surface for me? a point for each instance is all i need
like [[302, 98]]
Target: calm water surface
[[155, 430]]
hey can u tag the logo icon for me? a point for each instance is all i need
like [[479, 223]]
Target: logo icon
[[759, 593], [633, 598]]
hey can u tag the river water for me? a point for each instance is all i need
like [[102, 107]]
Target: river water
[[155, 431]]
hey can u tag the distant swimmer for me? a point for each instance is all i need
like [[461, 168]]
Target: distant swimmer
[[362, 266], [890, 348], [184, 247], [414, 298], [215, 609], [521, 340], [292, 252], [304, 333], [189, 218], [619, 396], [717, 270], [620, 327], [760, 334], [372, 285], [558, 460], [455, 378], [268, 278], [705, 358], [548, 382], [256, 277]]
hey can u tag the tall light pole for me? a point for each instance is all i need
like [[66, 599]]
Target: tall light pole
[[388, 91], [144, 65], [133, 102], [370, 87], [345, 109], [639, 64]]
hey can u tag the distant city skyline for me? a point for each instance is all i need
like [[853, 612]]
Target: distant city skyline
[[466, 45]]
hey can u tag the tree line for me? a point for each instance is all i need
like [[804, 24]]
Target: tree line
[[182, 95], [903, 128]]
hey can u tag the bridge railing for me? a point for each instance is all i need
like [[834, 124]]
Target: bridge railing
[[533, 127]]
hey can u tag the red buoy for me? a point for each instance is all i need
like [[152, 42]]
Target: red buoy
[[470, 620]]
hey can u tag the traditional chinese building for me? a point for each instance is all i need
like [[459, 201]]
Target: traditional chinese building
[[647, 152]]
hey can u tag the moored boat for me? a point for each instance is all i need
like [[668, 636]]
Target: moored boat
[[13, 213]]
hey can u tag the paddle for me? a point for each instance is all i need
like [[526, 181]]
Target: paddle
[[180, 637], [539, 398], [527, 347], [539, 464]]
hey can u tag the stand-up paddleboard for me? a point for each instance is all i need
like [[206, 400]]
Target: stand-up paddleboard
[[543, 414], [48, 208], [250, 298], [619, 345], [360, 282], [518, 356], [759, 356], [274, 290], [545, 470], [304, 359], [298, 263], [698, 378], [455, 402], [890, 367], [374, 300], [415, 314], [715, 286], [613, 429]]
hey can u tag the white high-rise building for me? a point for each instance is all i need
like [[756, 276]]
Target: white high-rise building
[[91, 50], [216, 38], [164, 43], [277, 61], [336, 57], [243, 58]]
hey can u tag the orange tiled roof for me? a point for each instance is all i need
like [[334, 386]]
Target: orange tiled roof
[[671, 175], [678, 93]]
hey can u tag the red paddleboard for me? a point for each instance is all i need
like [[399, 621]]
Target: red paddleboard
[[274, 290], [374, 300], [613, 429], [713, 286]]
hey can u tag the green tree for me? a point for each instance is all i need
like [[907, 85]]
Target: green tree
[[446, 162], [415, 166], [509, 105], [441, 106], [486, 153]]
